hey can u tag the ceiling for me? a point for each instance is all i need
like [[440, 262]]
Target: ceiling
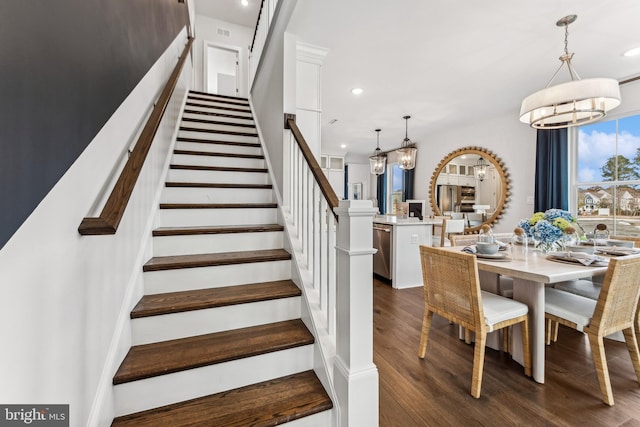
[[230, 11], [445, 63]]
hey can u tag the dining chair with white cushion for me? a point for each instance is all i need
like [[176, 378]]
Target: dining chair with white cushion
[[614, 310], [590, 288], [449, 228], [452, 290]]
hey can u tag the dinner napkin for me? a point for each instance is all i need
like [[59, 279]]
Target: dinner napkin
[[616, 250], [581, 257], [470, 249]]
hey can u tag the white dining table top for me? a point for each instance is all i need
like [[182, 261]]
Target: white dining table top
[[537, 268]]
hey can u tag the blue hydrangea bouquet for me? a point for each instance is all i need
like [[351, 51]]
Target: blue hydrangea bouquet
[[550, 229]]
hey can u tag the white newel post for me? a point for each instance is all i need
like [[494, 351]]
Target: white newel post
[[355, 375]]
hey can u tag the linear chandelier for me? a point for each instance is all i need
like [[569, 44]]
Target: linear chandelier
[[577, 102]]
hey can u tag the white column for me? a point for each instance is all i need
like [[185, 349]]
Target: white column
[[309, 60], [355, 375]]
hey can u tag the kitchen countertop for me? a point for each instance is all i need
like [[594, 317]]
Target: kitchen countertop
[[392, 220]]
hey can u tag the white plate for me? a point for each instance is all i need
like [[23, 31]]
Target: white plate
[[497, 256]]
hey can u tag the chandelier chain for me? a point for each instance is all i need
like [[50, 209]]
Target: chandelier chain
[[566, 39]]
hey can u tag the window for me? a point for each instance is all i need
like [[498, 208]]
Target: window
[[396, 182], [606, 181]]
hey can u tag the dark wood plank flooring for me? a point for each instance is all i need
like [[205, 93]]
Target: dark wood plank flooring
[[435, 391]]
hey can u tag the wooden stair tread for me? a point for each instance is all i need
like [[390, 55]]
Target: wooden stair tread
[[218, 142], [217, 185], [224, 132], [219, 99], [218, 205], [218, 168], [150, 360], [218, 107], [216, 154], [268, 403], [212, 113], [218, 122], [173, 262], [221, 229], [239, 98], [177, 302]]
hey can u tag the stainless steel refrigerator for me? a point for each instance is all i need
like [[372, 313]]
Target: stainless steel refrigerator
[[449, 198]]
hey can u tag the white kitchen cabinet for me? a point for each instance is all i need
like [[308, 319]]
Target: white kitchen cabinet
[[333, 168]]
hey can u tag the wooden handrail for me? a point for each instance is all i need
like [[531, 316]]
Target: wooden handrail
[[257, 23], [321, 179], [113, 210]]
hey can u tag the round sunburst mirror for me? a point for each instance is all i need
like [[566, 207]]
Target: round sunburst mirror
[[472, 181]]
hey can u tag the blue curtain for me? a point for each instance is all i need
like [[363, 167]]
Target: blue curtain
[[407, 184], [381, 192], [552, 176]]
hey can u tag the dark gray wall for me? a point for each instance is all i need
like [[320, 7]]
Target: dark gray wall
[[65, 67]]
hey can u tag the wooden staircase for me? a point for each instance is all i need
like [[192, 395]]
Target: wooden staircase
[[217, 337]]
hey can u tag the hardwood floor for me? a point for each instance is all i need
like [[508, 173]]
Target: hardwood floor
[[435, 391]]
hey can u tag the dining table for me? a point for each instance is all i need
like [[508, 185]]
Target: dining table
[[531, 273]]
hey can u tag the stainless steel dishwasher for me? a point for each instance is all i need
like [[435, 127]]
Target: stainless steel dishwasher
[[382, 241]]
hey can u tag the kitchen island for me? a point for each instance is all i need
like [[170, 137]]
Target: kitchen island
[[398, 241]]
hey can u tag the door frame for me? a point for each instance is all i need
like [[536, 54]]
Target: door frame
[[205, 55]]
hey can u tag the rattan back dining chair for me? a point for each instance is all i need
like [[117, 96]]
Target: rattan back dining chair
[[615, 310], [505, 284], [450, 227], [452, 290], [635, 240]]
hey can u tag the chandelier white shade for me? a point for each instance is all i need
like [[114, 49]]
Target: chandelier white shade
[[378, 161], [576, 102], [407, 151], [568, 104]]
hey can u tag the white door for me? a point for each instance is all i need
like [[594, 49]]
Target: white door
[[222, 71]]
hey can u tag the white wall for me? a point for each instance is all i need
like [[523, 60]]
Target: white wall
[[65, 296], [630, 105], [207, 33], [507, 138]]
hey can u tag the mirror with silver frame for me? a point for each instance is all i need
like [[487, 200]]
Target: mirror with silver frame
[[470, 183]]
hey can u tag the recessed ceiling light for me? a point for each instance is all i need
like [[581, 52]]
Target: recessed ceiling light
[[633, 52], [245, 3], [343, 145], [357, 91]]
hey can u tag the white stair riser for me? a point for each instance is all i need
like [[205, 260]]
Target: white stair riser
[[185, 279], [206, 321], [210, 109], [214, 104], [236, 120], [324, 418], [216, 177], [216, 243], [199, 160], [218, 126], [216, 195], [217, 136], [179, 386], [218, 148], [193, 217]]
